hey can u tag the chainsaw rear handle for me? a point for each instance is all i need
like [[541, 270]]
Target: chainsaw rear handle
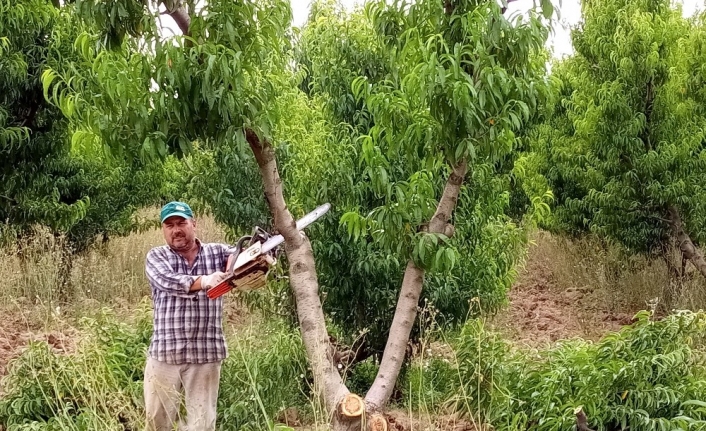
[[234, 255], [219, 290]]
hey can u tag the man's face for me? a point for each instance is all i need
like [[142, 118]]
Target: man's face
[[180, 233]]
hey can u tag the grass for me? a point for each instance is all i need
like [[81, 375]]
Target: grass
[[111, 274], [83, 371], [618, 281]]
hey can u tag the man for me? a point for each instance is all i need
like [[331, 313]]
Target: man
[[187, 345]]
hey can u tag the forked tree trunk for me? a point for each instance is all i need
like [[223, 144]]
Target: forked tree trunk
[[686, 245], [406, 311], [347, 411]]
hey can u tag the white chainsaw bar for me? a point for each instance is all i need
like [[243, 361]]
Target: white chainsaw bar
[[258, 249]]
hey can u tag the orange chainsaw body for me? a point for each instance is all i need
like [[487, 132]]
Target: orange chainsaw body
[[249, 272]]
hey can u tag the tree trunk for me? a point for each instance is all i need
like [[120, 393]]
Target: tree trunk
[[686, 245], [406, 311], [64, 287], [328, 384]]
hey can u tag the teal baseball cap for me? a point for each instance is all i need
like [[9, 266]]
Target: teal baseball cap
[[180, 209]]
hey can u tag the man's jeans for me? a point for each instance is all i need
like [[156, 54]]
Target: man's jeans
[[164, 384]]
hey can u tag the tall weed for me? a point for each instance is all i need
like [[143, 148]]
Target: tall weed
[[615, 279], [266, 372], [97, 387], [100, 386]]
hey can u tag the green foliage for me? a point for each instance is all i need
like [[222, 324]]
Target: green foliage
[[162, 99], [384, 77], [95, 388], [100, 385], [648, 376], [265, 373], [46, 177], [334, 50], [624, 140], [362, 376], [428, 384], [152, 96], [116, 18]]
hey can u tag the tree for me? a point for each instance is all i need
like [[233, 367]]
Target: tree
[[623, 149], [80, 193], [462, 80], [356, 267]]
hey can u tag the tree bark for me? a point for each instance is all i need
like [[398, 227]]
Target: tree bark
[[406, 311], [64, 286], [179, 14], [686, 245], [328, 384]]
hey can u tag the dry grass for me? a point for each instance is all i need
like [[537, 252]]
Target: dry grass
[[620, 282], [586, 288], [110, 275]]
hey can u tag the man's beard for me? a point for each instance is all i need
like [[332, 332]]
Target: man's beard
[[184, 242]]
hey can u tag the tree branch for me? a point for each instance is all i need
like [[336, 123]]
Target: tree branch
[[179, 14], [406, 311], [504, 8], [649, 105]]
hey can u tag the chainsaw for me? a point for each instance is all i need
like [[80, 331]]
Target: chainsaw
[[247, 269]]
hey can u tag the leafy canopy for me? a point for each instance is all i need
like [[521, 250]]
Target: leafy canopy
[[625, 139], [46, 177]]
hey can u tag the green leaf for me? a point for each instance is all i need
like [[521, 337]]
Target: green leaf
[[48, 76], [547, 9]]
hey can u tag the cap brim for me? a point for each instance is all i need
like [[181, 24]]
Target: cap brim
[[177, 213]]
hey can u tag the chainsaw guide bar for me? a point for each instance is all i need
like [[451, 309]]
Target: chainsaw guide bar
[[248, 271]]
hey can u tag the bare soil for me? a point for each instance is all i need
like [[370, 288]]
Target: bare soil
[[542, 309], [400, 420], [17, 331]]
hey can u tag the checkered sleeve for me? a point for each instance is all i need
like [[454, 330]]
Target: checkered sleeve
[[163, 277]]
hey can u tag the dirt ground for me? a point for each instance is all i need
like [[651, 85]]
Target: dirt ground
[[17, 330], [398, 420], [540, 312]]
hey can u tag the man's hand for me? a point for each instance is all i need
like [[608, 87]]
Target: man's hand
[[212, 280]]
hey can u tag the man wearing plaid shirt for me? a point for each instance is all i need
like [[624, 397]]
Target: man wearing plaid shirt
[[187, 345]]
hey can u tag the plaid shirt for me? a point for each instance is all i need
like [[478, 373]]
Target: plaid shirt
[[187, 325]]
